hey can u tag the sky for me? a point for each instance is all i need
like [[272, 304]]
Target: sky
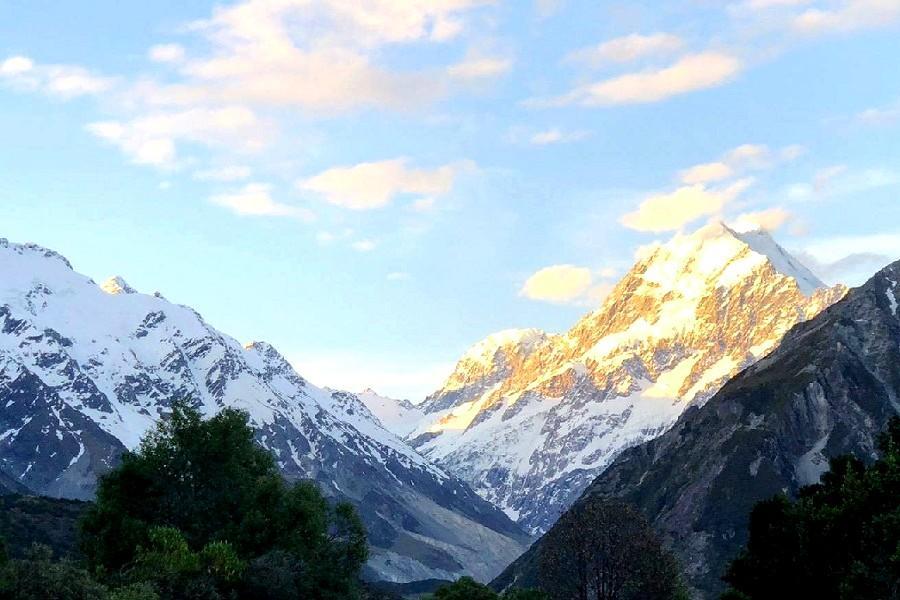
[[374, 185]]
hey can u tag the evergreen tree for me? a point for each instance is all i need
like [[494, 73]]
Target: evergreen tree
[[605, 550], [200, 499], [37, 576], [839, 540], [466, 588]]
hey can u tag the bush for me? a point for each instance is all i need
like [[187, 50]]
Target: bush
[[605, 549], [466, 588], [839, 540], [200, 506]]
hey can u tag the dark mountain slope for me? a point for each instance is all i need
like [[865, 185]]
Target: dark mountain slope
[[828, 389]]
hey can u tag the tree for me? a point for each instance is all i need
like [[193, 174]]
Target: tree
[[175, 571], [466, 588], [37, 576], [840, 539], [605, 550], [202, 490]]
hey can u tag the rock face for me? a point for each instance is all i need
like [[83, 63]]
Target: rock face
[[85, 371], [530, 419], [829, 388]]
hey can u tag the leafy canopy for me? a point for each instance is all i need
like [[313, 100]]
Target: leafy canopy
[[200, 500], [839, 540], [466, 588], [604, 549]]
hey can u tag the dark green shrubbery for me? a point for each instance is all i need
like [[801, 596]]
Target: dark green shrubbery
[[467, 588], [201, 512], [839, 540]]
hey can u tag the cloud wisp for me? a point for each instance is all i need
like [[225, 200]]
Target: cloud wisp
[[373, 185], [567, 284], [689, 73]]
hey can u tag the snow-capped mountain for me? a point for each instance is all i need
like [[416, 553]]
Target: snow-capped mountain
[[399, 417], [829, 389], [86, 370], [529, 418]]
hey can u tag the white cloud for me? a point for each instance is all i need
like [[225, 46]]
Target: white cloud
[[423, 204], [547, 8], [706, 173], [855, 267], [792, 152], [672, 211], [770, 219], [849, 15], [740, 159], [364, 245], [398, 276], [749, 156], [226, 173], [319, 55], [255, 200], [16, 65], [566, 284], [824, 177], [830, 249], [166, 53], [840, 180], [767, 4], [61, 81], [151, 139], [476, 67], [883, 115], [557, 136], [628, 48], [373, 185], [690, 73]]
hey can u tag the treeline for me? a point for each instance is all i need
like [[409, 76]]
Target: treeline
[[839, 540], [201, 512]]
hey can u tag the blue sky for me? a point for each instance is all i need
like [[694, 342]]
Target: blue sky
[[374, 185]]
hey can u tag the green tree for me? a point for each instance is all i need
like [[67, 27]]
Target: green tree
[[218, 497], [37, 576], [839, 540], [175, 571], [521, 594], [605, 550], [465, 588]]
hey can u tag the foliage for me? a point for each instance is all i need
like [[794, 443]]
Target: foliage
[[839, 540], [604, 549], [38, 577], [466, 588], [201, 511], [29, 520]]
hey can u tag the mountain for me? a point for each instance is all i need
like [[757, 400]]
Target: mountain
[[827, 390], [399, 417], [86, 370], [530, 419]]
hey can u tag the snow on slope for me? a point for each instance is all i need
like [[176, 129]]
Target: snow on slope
[[397, 416], [86, 370], [529, 421]]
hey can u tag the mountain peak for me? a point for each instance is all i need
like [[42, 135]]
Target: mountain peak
[[116, 285], [36, 250], [529, 418], [485, 349], [718, 254]]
